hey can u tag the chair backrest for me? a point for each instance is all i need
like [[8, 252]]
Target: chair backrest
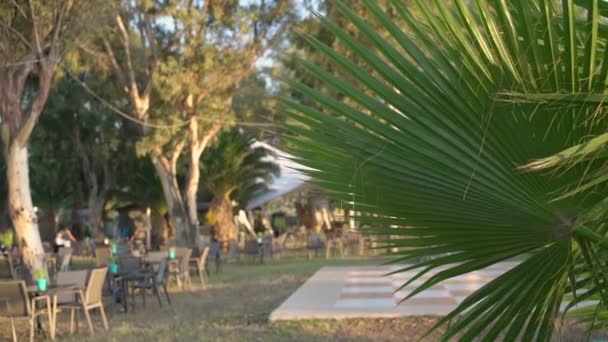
[[6, 268], [156, 256], [162, 272], [202, 260], [14, 301], [129, 264], [78, 278], [181, 250], [93, 292], [185, 254], [196, 252], [101, 256]]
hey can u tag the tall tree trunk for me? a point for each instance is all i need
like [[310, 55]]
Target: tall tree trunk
[[177, 210], [225, 229], [96, 203], [197, 147], [21, 209], [191, 192]]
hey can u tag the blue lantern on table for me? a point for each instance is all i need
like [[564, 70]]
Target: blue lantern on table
[[41, 284]]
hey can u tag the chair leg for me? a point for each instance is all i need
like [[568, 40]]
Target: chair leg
[[102, 311], [49, 313], [13, 330], [179, 281], [157, 294], [167, 293], [72, 317], [88, 317], [143, 296], [32, 329], [201, 277], [187, 281]]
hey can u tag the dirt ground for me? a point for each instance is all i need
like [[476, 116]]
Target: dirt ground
[[235, 307]]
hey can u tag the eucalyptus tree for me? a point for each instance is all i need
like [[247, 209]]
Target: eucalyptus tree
[[428, 128], [181, 62], [34, 36], [134, 48], [219, 45]]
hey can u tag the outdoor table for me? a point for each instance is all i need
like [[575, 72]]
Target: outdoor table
[[52, 291]]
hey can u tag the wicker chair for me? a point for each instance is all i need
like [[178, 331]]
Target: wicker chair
[[200, 265], [78, 278], [101, 256], [16, 305], [156, 256], [154, 282], [181, 270], [129, 264], [88, 299]]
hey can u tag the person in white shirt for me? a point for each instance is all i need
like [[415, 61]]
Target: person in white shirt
[[63, 245]]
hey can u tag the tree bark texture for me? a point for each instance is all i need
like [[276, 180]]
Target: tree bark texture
[[21, 209], [225, 229], [177, 210], [197, 148]]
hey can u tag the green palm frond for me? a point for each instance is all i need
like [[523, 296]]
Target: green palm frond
[[234, 168], [429, 128]]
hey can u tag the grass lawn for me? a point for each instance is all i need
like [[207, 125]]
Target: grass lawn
[[235, 307]]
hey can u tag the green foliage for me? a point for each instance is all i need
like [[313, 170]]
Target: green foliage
[[55, 175], [234, 168], [40, 273], [425, 122], [137, 182], [7, 238], [210, 59]]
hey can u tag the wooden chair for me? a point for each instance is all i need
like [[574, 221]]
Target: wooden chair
[[200, 265], [154, 282], [88, 299], [16, 305]]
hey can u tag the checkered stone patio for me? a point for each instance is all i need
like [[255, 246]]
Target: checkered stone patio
[[354, 292]]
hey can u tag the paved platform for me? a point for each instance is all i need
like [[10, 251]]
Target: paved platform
[[367, 291]]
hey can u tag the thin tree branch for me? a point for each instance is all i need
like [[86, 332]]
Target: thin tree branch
[[118, 70], [126, 41], [36, 35], [44, 88], [54, 50]]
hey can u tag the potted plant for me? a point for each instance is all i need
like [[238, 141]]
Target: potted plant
[[172, 253], [113, 264], [40, 276]]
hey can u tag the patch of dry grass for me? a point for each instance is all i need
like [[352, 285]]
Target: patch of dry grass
[[235, 307]]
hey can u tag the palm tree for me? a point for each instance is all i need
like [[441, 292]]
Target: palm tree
[[235, 169], [435, 131]]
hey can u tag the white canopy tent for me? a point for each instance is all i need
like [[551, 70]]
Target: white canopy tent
[[290, 178]]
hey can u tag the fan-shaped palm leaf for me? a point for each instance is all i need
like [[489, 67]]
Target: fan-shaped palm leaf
[[429, 131]]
